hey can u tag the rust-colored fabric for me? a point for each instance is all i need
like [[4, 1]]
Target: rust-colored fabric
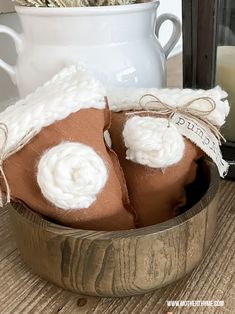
[[155, 195], [111, 211]]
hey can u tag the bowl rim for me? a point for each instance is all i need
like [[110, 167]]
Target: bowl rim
[[172, 223], [93, 10]]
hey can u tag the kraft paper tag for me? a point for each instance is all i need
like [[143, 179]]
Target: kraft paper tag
[[203, 138]]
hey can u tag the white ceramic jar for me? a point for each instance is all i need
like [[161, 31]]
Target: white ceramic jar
[[117, 43]]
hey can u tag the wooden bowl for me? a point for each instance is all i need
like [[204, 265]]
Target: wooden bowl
[[120, 263]]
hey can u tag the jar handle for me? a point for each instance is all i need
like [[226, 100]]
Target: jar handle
[[18, 43], [175, 36]]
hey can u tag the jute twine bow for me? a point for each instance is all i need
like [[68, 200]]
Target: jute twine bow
[[4, 130], [164, 109], [5, 154]]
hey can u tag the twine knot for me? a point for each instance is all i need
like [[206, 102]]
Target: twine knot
[[6, 152], [164, 109]]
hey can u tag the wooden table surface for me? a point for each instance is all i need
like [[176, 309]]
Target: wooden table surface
[[21, 291]]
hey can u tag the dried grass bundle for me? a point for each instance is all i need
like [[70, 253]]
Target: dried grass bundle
[[73, 3]]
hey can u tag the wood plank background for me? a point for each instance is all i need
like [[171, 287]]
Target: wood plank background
[[21, 291]]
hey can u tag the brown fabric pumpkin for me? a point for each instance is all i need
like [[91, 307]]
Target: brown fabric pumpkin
[[156, 195], [110, 211]]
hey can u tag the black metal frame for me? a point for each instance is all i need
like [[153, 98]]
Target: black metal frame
[[199, 53]]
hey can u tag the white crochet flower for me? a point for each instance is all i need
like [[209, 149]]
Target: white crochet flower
[[152, 142], [71, 175], [107, 139]]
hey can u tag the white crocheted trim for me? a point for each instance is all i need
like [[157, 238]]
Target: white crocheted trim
[[71, 175], [70, 90], [152, 142], [128, 98]]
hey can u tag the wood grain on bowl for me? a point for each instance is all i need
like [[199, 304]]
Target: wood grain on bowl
[[119, 263]]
